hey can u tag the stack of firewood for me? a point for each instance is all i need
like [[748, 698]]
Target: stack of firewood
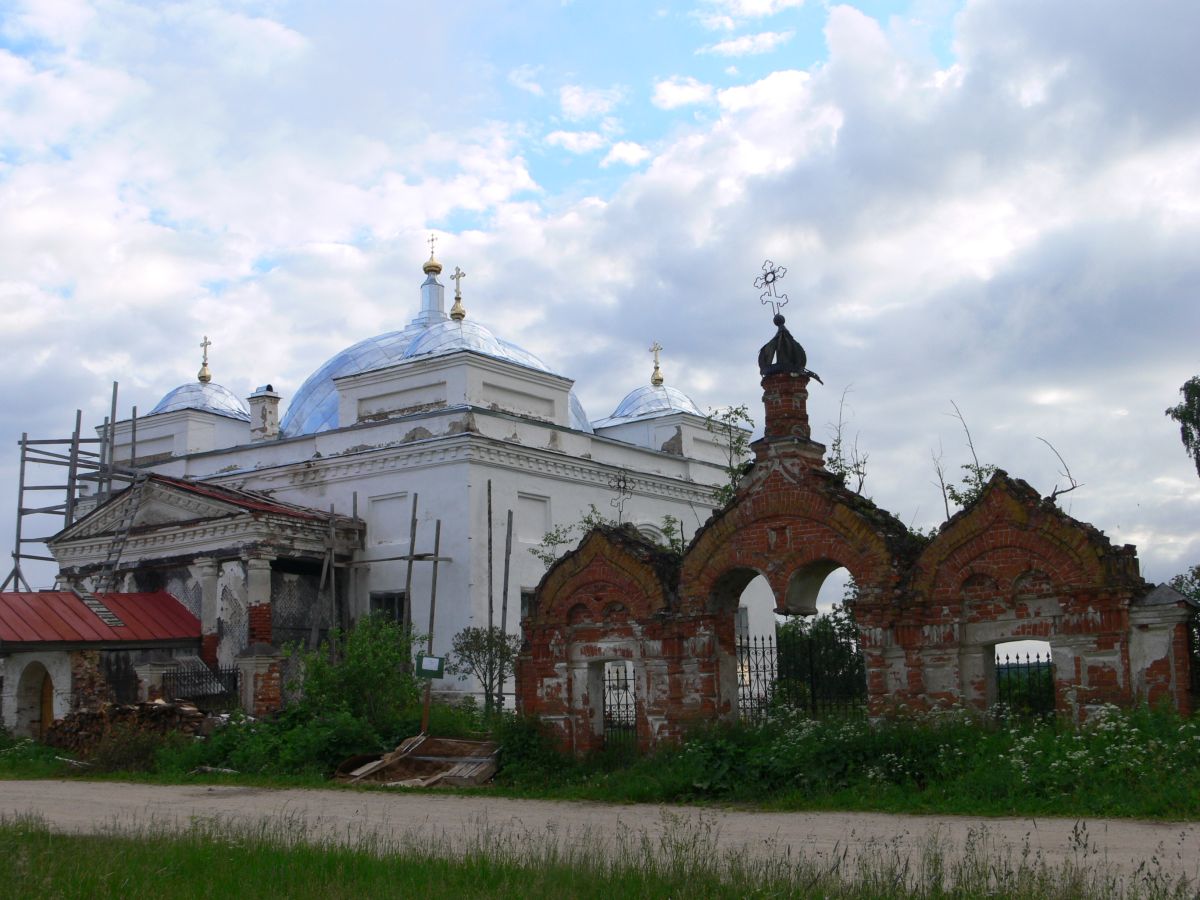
[[80, 731]]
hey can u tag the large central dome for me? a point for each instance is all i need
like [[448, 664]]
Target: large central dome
[[432, 333]]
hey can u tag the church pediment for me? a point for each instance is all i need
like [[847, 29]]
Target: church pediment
[[160, 505]]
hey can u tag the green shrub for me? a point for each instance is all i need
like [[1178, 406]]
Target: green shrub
[[529, 755], [365, 672], [125, 748]]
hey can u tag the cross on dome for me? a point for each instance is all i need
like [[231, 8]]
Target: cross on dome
[[204, 376], [656, 379], [458, 312]]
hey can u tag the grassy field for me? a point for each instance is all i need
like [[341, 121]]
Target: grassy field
[[214, 860]]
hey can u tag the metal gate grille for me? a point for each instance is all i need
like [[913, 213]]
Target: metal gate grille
[[620, 708], [819, 673], [1025, 686], [209, 689]]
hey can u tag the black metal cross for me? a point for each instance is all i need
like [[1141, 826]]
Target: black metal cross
[[766, 283], [621, 483]]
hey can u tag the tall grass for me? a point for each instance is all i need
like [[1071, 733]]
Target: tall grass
[[1137, 763], [280, 859]]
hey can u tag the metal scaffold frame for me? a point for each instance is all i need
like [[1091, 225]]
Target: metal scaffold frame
[[83, 464]]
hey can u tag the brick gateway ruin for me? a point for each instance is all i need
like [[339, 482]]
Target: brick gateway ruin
[[1010, 566]]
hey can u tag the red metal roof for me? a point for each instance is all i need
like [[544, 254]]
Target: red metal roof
[[248, 500], [60, 617]]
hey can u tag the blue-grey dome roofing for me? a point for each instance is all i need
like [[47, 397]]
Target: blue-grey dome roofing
[[208, 397], [315, 406], [648, 402]]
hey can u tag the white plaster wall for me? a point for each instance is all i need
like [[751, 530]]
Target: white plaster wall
[[58, 665]]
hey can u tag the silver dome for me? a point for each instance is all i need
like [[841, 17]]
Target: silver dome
[[315, 406], [648, 402], [208, 397]]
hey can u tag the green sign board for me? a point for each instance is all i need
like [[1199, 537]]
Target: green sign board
[[431, 666]]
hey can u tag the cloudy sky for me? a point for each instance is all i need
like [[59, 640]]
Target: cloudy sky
[[991, 202]]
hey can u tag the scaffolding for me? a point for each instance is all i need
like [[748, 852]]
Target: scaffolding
[[88, 462]]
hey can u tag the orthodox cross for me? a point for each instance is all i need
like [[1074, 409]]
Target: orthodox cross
[[457, 312], [656, 379], [766, 283], [620, 483], [432, 244], [204, 376]]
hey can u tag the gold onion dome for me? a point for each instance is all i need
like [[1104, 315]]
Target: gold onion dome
[[432, 266]]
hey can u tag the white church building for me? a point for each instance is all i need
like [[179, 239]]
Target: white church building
[[271, 528]]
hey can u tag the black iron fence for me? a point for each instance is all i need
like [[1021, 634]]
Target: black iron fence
[[620, 711], [820, 673], [1025, 686], [209, 689]]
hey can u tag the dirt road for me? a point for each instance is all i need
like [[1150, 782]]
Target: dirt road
[[459, 821]]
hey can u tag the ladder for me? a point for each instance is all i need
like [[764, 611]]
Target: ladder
[[107, 576]]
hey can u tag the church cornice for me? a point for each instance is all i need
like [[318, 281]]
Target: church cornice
[[466, 448]]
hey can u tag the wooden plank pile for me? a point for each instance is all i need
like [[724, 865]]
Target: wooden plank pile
[[424, 761], [80, 731]]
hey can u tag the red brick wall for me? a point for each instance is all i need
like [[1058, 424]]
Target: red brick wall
[[259, 616], [1011, 566], [268, 690]]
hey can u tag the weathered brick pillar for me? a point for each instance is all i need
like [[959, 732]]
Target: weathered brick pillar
[[262, 684], [208, 574], [258, 599], [785, 406], [786, 432]]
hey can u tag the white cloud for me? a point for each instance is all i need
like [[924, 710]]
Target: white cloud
[[525, 78], [749, 44], [576, 141], [725, 15], [626, 153], [679, 90], [583, 103]]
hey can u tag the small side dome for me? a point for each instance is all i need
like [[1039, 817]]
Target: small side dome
[[205, 396], [648, 402]]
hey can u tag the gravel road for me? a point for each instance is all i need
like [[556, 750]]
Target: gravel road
[[458, 821]]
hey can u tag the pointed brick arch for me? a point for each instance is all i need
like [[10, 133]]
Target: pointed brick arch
[[1013, 566], [614, 599], [786, 519]]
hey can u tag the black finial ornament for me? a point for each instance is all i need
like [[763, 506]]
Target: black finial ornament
[[783, 352]]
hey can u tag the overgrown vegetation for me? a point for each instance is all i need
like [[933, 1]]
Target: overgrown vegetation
[[487, 654], [359, 696], [682, 857], [844, 459], [731, 426], [1141, 763], [560, 539]]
